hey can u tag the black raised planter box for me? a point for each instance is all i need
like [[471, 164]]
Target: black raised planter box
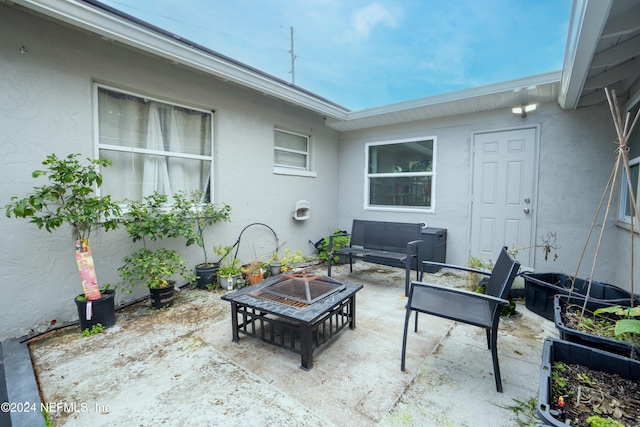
[[595, 341], [571, 353], [540, 289]]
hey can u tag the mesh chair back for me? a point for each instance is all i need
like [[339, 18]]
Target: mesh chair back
[[502, 275]]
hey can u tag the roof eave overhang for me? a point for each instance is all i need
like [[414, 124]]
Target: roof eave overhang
[[113, 27], [588, 19], [536, 89]]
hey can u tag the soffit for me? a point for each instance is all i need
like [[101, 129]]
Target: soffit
[[602, 52], [532, 90]]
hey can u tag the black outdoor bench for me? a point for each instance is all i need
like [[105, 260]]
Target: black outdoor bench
[[386, 243]]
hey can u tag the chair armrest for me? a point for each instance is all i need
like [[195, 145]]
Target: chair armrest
[[458, 267], [465, 292], [412, 247]]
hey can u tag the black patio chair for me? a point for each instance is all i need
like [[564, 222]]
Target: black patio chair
[[482, 310]]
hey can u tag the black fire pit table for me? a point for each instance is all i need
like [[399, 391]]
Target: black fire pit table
[[296, 311]]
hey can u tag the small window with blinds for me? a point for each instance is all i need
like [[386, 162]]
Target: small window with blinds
[[291, 153]]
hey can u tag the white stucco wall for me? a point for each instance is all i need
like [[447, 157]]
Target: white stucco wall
[[576, 156], [46, 107]]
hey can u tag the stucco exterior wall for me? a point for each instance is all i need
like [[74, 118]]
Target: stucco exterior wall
[[46, 105], [575, 159]]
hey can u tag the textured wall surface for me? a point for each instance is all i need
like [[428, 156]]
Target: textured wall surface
[[46, 106], [575, 158]]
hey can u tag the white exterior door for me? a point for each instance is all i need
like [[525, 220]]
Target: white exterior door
[[502, 210]]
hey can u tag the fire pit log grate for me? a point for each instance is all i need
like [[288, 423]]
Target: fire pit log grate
[[302, 288]]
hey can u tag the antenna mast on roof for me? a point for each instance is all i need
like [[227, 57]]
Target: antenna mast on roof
[[293, 58]]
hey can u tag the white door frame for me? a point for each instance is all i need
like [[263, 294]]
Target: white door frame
[[527, 258]]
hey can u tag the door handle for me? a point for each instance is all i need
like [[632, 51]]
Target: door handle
[[527, 210]]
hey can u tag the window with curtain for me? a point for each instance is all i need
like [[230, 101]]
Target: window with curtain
[[400, 174], [154, 146], [291, 153]]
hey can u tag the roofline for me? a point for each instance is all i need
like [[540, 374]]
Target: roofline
[[113, 24], [588, 18], [476, 92]]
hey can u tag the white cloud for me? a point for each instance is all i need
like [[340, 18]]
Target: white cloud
[[366, 18]]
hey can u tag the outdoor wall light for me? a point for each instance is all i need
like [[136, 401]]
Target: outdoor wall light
[[524, 109]]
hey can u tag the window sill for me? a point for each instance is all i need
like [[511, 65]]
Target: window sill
[[627, 226], [398, 209], [296, 172]]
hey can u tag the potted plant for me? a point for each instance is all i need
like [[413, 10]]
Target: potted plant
[[192, 214], [255, 272], [290, 260], [339, 239], [275, 266], [280, 264], [155, 268], [69, 198], [230, 267]]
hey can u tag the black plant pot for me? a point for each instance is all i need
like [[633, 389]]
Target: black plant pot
[[555, 350], [102, 310], [595, 341], [207, 275], [162, 297], [540, 289]]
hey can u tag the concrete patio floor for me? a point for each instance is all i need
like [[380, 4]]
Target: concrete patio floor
[[179, 367]]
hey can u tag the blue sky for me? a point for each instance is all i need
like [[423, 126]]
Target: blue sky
[[362, 53]]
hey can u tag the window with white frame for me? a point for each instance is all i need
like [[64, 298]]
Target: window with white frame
[[154, 145], [633, 145], [400, 174], [291, 153], [626, 207]]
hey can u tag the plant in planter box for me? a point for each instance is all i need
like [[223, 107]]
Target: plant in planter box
[[69, 198], [592, 322], [627, 327], [192, 215], [578, 382], [155, 268]]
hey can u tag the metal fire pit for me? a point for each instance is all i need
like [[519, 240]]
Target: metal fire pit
[[296, 311], [302, 288]]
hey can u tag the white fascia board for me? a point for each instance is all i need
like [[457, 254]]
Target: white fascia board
[[87, 17], [503, 87], [588, 19]]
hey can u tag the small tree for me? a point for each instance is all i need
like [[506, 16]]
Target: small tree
[[151, 219], [192, 215], [69, 197]]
